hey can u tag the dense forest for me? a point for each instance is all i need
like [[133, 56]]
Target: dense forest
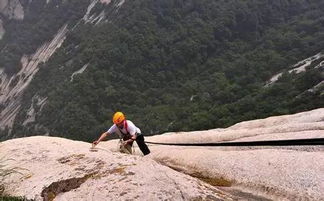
[[178, 65], [41, 22]]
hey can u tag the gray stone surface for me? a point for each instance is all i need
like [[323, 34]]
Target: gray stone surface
[[2, 30], [68, 170], [279, 173], [276, 173], [12, 9]]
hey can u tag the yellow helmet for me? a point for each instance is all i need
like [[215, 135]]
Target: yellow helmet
[[118, 117]]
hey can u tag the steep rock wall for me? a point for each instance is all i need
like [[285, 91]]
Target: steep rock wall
[[12, 88]]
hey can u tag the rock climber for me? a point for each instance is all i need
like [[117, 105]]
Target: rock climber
[[127, 131]]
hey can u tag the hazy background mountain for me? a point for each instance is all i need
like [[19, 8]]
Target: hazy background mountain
[[170, 65]]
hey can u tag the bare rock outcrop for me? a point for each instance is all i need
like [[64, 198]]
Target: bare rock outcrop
[[12, 88], [12, 9], [59, 169], [285, 173], [2, 30], [256, 173], [300, 67]]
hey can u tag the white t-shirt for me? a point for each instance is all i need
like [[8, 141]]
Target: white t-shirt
[[131, 128]]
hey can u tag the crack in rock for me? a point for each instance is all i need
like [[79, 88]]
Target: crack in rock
[[50, 192]]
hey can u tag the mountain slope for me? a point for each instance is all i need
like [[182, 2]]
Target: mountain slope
[[273, 172], [63, 169], [51, 168], [173, 65]]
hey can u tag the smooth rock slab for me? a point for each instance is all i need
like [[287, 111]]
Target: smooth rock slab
[[53, 168]]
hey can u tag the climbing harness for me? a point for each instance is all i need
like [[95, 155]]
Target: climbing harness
[[125, 148]]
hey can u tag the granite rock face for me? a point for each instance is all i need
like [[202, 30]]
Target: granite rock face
[[60, 169], [51, 168], [12, 9], [2, 30], [278, 173], [268, 172]]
